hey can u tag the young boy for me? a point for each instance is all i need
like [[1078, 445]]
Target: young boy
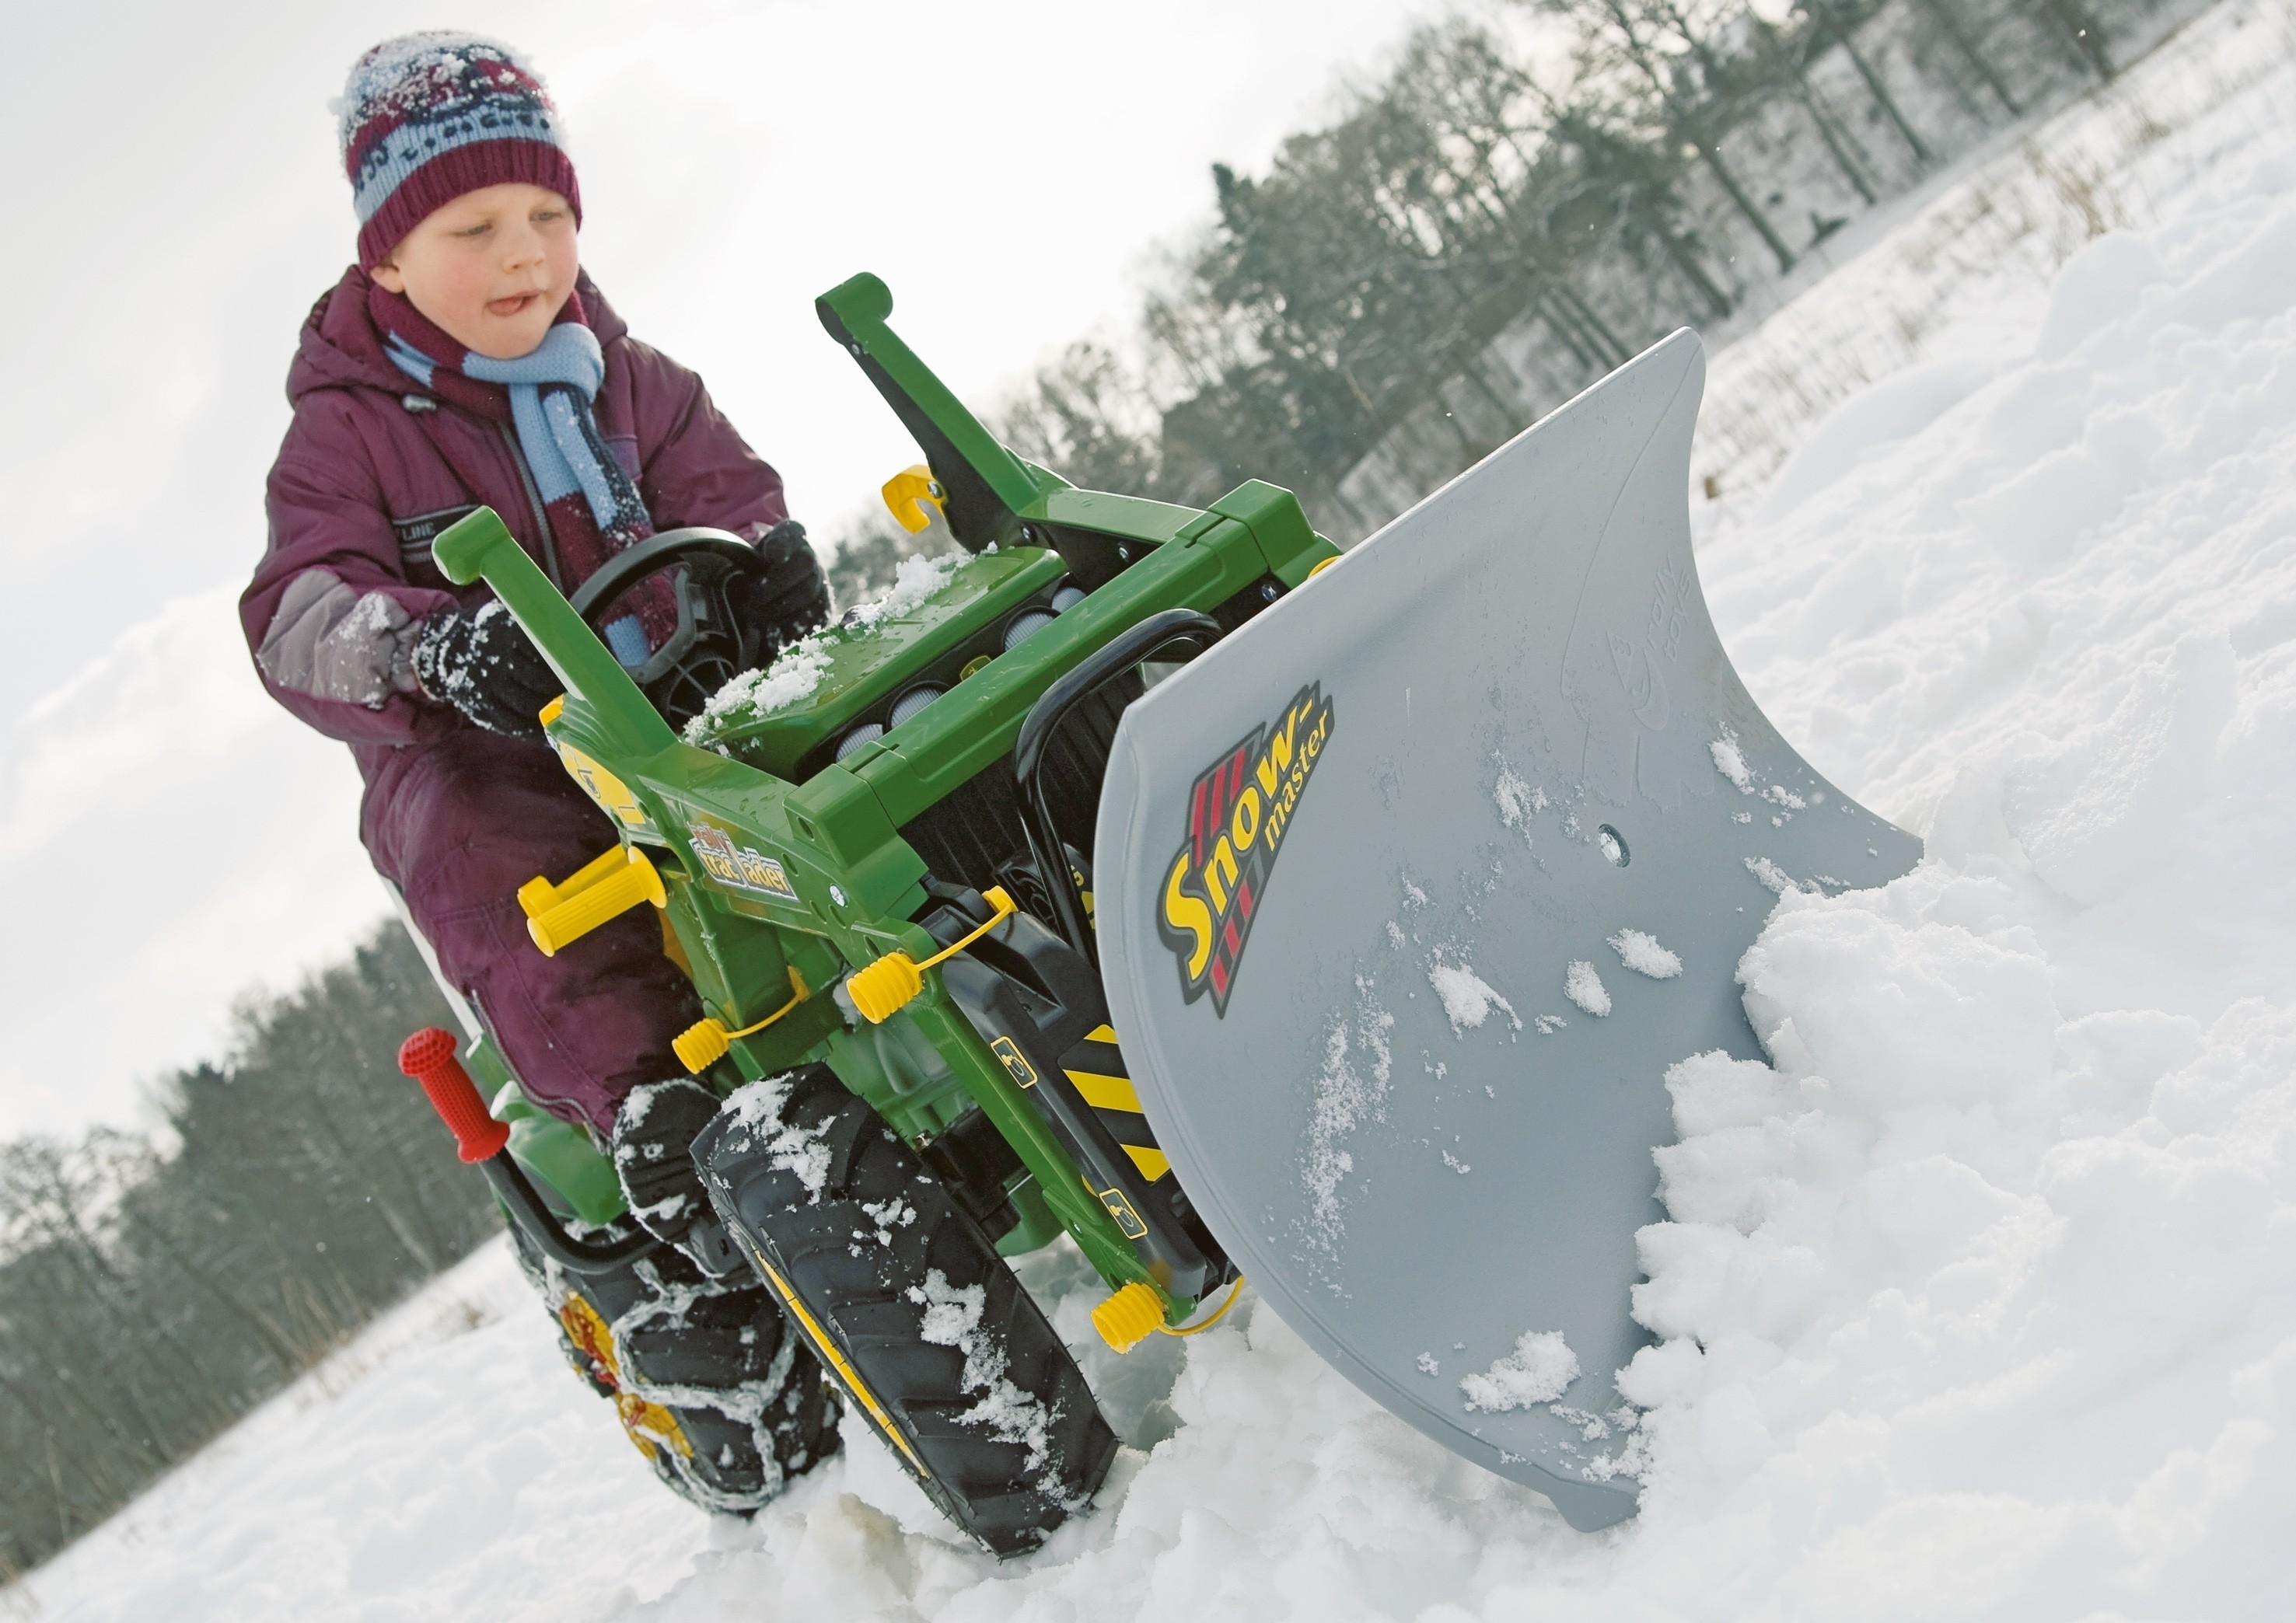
[[465, 360]]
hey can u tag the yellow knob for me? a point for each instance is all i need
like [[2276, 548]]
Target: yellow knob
[[704, 1043], [882, 990], [1130, 1317], [885, 988], [701, 1045], [577, 915]]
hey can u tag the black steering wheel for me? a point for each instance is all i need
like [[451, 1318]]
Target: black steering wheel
[[714, 642]]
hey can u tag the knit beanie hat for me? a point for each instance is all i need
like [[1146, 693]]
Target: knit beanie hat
[[428, 117]]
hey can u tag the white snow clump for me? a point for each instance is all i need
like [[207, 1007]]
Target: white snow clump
[[799, 1150], [1345, 1098], [793, 678], [1467, 1000], [1516, 799], [788, 681], [1640, 951], [915, 582], [1776, 880], [1582, 986], [1539, 1369], [952, 1318]]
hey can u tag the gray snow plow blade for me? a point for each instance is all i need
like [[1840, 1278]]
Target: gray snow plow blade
[[1470, 756]]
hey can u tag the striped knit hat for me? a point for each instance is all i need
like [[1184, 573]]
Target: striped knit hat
[[428, 117]]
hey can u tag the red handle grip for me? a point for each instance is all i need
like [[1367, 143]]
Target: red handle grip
[[429, 1057]]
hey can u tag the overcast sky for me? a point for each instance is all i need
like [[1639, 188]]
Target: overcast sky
[[168, 175]]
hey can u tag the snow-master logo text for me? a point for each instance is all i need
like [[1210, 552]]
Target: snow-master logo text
[[1238, 814]]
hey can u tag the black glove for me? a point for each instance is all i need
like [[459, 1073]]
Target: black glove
[[652, 1141], [482, 662], [792, 595]]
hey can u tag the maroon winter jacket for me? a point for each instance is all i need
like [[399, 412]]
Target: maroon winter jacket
[[456, 816], [372, 468]]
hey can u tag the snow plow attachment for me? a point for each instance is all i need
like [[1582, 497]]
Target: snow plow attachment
[[1409, 897]]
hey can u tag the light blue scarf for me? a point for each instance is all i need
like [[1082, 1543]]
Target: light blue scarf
[[550, 391]]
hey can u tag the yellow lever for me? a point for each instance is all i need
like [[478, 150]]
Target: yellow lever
[[609, 898], [883, 988], [538, 896], [704, 1043]]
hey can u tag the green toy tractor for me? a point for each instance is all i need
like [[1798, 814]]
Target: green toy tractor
[[874, 860], [1265, 970]]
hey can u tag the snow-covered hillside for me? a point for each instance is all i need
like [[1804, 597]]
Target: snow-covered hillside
[[1980, 1301]]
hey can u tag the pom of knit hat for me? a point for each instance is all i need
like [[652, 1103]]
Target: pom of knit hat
[[425, 117]]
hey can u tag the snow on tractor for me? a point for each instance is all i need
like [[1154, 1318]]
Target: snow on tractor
[[1166, 880]]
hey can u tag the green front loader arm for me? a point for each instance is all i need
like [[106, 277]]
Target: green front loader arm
[[989, 488]]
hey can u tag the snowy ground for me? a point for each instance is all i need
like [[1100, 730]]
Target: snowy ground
[[1978, 1304]]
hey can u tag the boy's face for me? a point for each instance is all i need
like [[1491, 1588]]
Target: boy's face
[[491, 269]]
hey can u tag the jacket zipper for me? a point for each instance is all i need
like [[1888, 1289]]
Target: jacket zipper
[[534, 501]]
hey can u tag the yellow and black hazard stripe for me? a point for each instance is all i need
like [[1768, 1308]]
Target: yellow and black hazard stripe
[[1096, 1066]]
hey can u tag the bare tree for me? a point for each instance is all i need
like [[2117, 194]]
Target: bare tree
[[1831, 25], [1946, 16], [1653, 58]]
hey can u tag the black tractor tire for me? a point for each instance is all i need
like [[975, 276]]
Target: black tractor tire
[[919, 1320], [708, 1377]]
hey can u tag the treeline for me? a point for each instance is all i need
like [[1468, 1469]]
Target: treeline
[[1520, 205], [149, 1298]]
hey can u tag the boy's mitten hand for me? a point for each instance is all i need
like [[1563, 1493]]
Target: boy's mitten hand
[[792, 595], [482, 662], [652, 1141]]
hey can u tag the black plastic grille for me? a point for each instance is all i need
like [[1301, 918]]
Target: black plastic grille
[[974, 835]]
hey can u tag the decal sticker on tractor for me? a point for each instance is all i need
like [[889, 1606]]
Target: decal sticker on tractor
[[744, 867], [612, 795], [1112, 1200], [1015, 1062], [1238, 813]]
